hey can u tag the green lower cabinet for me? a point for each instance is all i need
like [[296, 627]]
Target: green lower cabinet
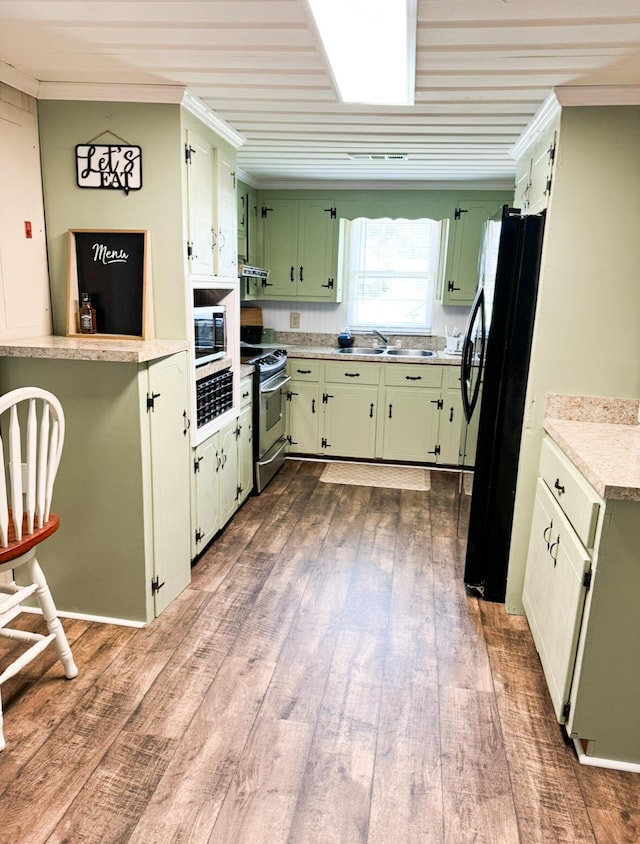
[[304, 405], [205, 494], [245, 454], [350, 414], [410, 419], [228, 471], [450, 437]]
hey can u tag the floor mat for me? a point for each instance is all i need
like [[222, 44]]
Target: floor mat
[[364, 474]]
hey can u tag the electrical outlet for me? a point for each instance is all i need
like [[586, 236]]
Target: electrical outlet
[[294, 319]]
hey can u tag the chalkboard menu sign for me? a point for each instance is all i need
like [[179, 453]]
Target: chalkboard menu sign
[[113, 268]]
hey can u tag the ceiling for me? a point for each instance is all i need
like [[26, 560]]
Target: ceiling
[[483, 69]]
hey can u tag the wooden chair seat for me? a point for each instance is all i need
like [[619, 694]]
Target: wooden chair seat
[[17, 547]]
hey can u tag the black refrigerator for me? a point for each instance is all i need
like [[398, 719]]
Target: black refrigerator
[[495, 366]]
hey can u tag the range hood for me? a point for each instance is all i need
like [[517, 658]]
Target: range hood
[[246, 272]]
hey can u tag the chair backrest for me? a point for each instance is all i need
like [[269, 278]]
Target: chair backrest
[[31, 439]]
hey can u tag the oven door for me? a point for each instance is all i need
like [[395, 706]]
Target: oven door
[[271, 416], [271, 440]]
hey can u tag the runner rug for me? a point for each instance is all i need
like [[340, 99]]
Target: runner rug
[[364, 474]]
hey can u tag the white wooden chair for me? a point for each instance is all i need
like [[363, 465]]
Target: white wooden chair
[[31, 439]]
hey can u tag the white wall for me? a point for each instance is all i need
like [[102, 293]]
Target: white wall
[[321, 318]]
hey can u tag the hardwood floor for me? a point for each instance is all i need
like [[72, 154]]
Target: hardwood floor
[[325, 679]]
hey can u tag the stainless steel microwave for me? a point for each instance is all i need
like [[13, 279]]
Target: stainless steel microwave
[[209, 333]]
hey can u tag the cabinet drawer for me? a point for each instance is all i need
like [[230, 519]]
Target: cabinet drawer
[[352, 373], [304, 370], [245, 391], [413, 375], [578, 500]]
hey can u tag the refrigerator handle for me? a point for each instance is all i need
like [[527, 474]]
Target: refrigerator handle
[[469, 399]]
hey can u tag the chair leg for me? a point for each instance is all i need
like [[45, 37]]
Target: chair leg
[[1, 725], [45, 601]]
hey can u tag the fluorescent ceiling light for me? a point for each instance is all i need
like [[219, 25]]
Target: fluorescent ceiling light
[[371, 47]]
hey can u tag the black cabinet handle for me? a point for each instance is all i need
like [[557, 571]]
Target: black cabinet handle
[[390, 409], [352, 375], [559, 486], [313, 405], [371, 411], [300, 275], [555, 545], [303, 371], [291, 278], [413, 377], [546, 532]]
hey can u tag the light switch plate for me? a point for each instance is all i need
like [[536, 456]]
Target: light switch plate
[[294, 319]]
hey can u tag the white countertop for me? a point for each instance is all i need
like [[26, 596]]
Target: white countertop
[[97, 349], [607, 454]]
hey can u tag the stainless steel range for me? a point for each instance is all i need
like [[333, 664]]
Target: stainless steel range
[[269, 397]]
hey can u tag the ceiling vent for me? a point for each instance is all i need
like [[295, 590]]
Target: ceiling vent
[[390, 156]]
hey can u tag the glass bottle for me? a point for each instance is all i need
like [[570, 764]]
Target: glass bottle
[[87, 316]]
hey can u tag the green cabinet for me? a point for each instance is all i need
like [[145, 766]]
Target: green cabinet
[[205, 512], [410, 424], [534, 171], [463, 250], [349, 420], [300, 239], [365, 410], [211, 209], [222, 474], [303, 417], [122, 491]]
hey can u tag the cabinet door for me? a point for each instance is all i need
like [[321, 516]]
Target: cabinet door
[[228, 471], [349, 428], [451, 428], [465, 232], [200, 189], [245, 454], [280, 229], [225, 218], [206, 495], [303, 417], [170, 477], [410, 419], [317, 234], [554, 593]]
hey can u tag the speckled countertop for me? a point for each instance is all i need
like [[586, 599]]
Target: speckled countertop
[[329, 353], [70, 348], [601, 437]]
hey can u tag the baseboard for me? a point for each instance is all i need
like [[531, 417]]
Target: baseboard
[[597, 762], [100, 619]]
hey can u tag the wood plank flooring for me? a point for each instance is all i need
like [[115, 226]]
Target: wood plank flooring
[[325, 679]]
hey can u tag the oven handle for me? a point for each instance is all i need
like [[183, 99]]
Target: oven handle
[[283, 443], [268, 388]]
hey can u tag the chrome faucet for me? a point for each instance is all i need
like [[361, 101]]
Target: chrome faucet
[[384, 339]]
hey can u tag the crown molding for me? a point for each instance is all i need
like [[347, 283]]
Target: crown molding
[[541, 120], [503, 183], [598, 95], [207, 116], [18, 80], [247, 178], [97, 92]]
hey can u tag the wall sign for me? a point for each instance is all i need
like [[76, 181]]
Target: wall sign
[[114, 268], [109, 166]]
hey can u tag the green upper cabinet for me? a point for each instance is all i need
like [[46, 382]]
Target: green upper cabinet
[[300, 249], [465, 232], [212, 209]]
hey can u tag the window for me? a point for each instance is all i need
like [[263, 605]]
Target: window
[[391, 268]]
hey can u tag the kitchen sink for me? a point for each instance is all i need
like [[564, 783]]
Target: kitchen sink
[[411, 353], [360, 350]]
